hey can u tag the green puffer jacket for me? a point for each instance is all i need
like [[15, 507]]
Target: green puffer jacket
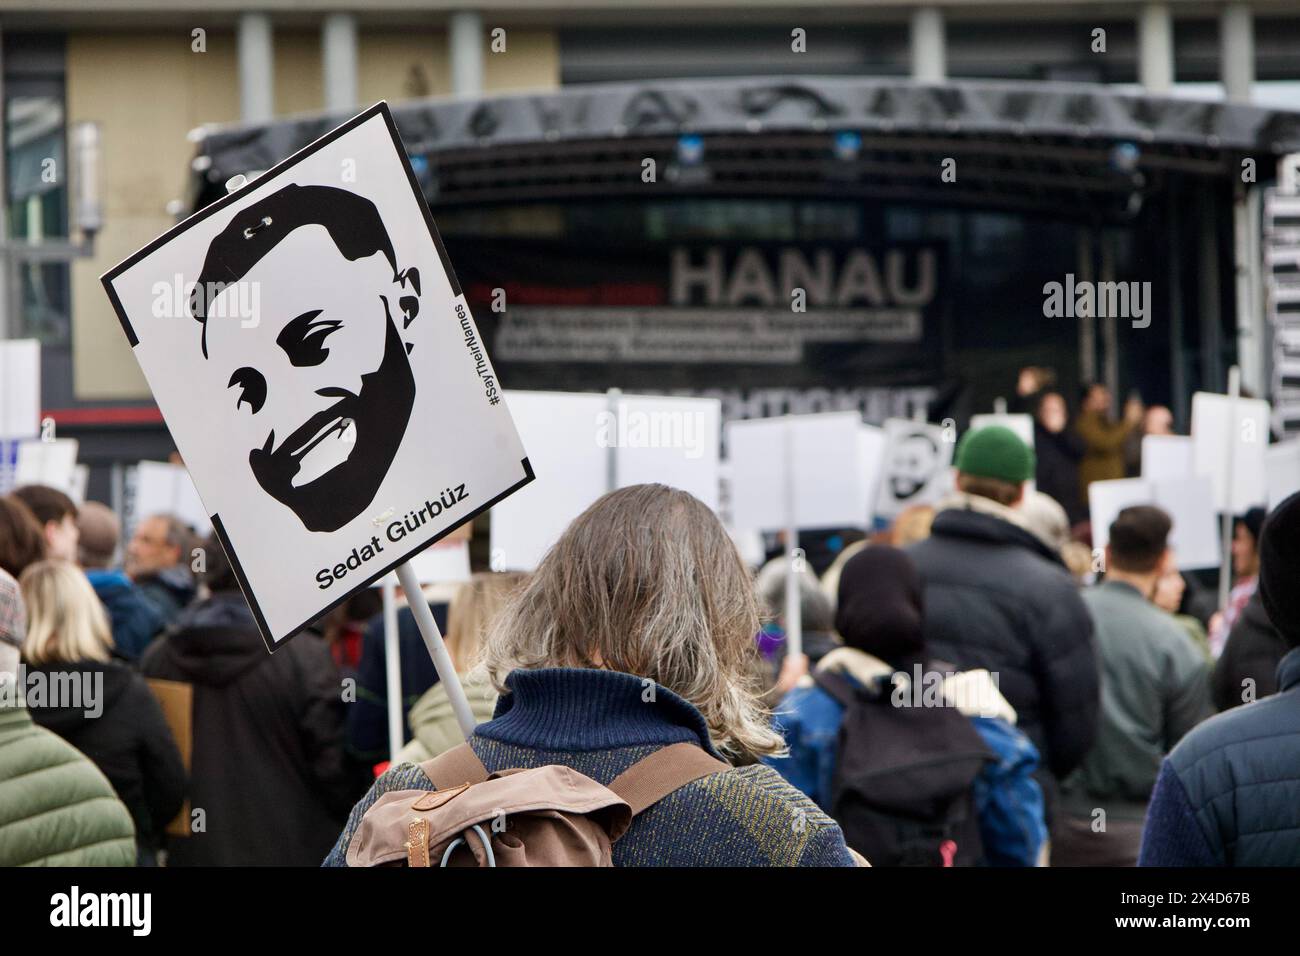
[[56, 808]]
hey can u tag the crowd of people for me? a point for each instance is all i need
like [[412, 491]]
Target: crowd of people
[[973, 687]]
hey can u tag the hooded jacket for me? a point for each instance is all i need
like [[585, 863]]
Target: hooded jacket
[[135, 619], [267, 754], [169, 591], [117, 722], [998, 598]]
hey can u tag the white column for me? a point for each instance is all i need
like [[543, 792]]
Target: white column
[[1156, 48], [338, 40], [1237, 51], [465, 38], [929, 56], [256, 68]]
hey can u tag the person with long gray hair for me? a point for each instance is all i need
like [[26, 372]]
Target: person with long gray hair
[[636, 632]]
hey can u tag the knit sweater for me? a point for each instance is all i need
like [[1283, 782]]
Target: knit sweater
[[600, 723]]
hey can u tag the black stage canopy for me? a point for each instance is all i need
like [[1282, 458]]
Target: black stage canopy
[[1079, 151]]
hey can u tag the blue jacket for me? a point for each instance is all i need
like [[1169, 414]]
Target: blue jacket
[[600, 723], [135, 620], [1009, 802], [1229, 793]]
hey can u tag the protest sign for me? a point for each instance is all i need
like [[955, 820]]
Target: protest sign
[[1166, 456], [917, 466], [167, 489], [1229, 436], [52, 463], [308, 344], [1188, 501], [573, 471], [584, 444], [20, 388], [825, 459], [1282, 471], [1022, 425]]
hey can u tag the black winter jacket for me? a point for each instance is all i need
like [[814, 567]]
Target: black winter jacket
[[267, 762], [1253, 651], [118, 723], [996, 597]]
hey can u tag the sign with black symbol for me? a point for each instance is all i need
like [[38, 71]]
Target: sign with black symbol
[[918, 466], [317, 365]]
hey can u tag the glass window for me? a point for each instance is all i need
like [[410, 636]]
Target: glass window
[[36, 193]]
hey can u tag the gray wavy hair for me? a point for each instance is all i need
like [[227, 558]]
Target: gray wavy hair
[[647, 582]]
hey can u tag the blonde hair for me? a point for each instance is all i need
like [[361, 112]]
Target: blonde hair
[[473, 606], [646, 581], [65, 620]]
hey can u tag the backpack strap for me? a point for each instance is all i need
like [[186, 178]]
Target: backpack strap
[[459, 765], [668, 769]]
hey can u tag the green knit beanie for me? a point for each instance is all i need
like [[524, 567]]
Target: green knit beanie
[[995, 452]]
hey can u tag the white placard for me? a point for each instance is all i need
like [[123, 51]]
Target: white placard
[[559, 430], [1022, 425], [317, 365], [917, 466], [586, 443], [80, 479], [52, 463], [20, 388], [874, 448], [446, 562], [162, 488], [1216, 441], [1282, 467], [829, 469], [669, 440], [1166, 457], [1188, 501]]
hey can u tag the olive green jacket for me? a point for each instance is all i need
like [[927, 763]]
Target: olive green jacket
[[56, 807], [433, 723]]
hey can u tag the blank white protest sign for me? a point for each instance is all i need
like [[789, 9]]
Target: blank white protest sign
[[1282, 467], [20, 388], [584, 441], [164, 488], [559, 431], [1188, 501], [670, 440], [829, 467], [1218, 442], [52, 463], [1166, 456]]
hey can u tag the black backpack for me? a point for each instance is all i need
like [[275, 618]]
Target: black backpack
[[903, 791]]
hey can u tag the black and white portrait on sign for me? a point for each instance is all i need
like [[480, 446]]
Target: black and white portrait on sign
[[334, 347], [320, 372], [917, 469]]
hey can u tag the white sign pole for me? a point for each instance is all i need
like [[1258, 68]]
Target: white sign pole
[[437, 649], [793, 608], [392, 667], [1230, 448]]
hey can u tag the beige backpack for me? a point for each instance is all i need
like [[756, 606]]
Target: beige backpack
[[543, 816]]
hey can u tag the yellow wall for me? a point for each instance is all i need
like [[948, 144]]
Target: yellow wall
[[531, 61], [147, 91], [401, 66]]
